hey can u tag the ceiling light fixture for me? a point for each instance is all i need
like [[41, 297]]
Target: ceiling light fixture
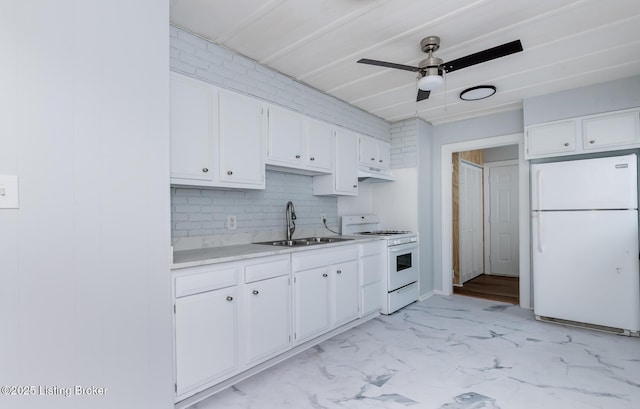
[[476, 93], [431, 82]]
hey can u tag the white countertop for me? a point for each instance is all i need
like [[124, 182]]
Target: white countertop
[[222, 254]]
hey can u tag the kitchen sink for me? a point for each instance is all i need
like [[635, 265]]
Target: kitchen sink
[[306, 241]]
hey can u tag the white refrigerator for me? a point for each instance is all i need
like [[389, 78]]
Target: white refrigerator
[[585, 242]]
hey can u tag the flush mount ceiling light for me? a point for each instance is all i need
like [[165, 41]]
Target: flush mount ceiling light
[[476, 93]]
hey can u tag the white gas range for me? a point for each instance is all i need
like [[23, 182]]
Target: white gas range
[[402, 278]]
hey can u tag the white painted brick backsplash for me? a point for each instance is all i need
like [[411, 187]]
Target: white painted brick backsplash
[[200, 212], [199, 58], [404, 144]]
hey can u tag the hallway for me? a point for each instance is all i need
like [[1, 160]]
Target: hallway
[[492, 287]]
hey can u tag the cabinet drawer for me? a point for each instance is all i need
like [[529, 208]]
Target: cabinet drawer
[[267, 268], [200, 282], [305, 260]]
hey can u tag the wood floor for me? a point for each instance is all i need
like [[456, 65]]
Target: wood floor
[[491, 287]]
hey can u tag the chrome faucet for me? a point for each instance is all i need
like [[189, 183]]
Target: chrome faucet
[[291, 216]]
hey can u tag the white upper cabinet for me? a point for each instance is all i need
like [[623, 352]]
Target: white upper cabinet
[[217, 137], [593, 133], [298, 142], [610, 130], [286, 138], [242, 127], [551, 139], [373, 153], [344, 179], [192, 105], [319, 145]]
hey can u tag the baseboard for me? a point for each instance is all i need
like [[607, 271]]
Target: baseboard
[[426, 296]]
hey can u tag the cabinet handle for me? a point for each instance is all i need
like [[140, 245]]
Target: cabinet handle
[[592, 141], [355, 186], [373, 158], [338, 271], [380, 161], [229, 172], [312, 158], [324, 274], [229, 298], [255, 292], [205, 170], [297, 156], [566, 144]]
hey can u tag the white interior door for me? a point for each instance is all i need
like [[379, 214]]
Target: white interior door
[[502, 214], [471, 231]]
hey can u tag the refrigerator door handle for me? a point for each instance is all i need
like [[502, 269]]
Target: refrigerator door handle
[[539, 189], [539, 207], [539, 228]]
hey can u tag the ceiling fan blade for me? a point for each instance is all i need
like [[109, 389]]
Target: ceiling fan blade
[[483, 56], [388, 64], [422, 95]]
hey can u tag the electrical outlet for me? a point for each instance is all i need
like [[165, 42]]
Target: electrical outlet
[[231, 223], [323, 218]]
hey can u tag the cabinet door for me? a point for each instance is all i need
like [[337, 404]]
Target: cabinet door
[[384, 155], [242, 156], [368, 151], [312, 307], [346, 170], [346, 292], [191, 114], [286, 137], [206, 338], [319, 145], [373, 266], [550, 139], [268, 318], [610, 130]]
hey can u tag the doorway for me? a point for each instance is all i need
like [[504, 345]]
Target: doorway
[[523, 210], [485, 223]]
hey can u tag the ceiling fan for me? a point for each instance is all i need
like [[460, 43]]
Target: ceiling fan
[[431, 69]]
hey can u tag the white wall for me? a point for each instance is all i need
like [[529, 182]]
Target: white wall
[[84, 277], [406, 204], [593, 99], [504, 123]]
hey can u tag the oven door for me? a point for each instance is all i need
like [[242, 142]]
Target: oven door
[[403, 265]]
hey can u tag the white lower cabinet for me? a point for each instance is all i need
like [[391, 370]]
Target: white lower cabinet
[[326, 290], [312, 298], [236, 317], [206, 328], [267, 293], [373, 265], [346, 287]]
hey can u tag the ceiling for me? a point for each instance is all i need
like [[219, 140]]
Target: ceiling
[[567, 44]]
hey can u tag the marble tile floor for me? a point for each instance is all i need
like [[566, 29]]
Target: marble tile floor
[[451, 353]]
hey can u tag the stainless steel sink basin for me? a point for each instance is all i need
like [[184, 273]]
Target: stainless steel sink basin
[[306, 241]]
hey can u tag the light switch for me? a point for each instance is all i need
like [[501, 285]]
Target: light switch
[[8, 192]]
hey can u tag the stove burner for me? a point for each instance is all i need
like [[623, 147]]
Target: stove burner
[[383, 232]]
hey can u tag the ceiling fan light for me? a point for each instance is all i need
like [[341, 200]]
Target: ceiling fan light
[[476, 93], [430, 82]]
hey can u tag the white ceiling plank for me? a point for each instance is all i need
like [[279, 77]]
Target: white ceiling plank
[[567, 43]]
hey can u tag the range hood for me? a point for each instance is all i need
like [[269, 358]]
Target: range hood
[[366, 174]]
